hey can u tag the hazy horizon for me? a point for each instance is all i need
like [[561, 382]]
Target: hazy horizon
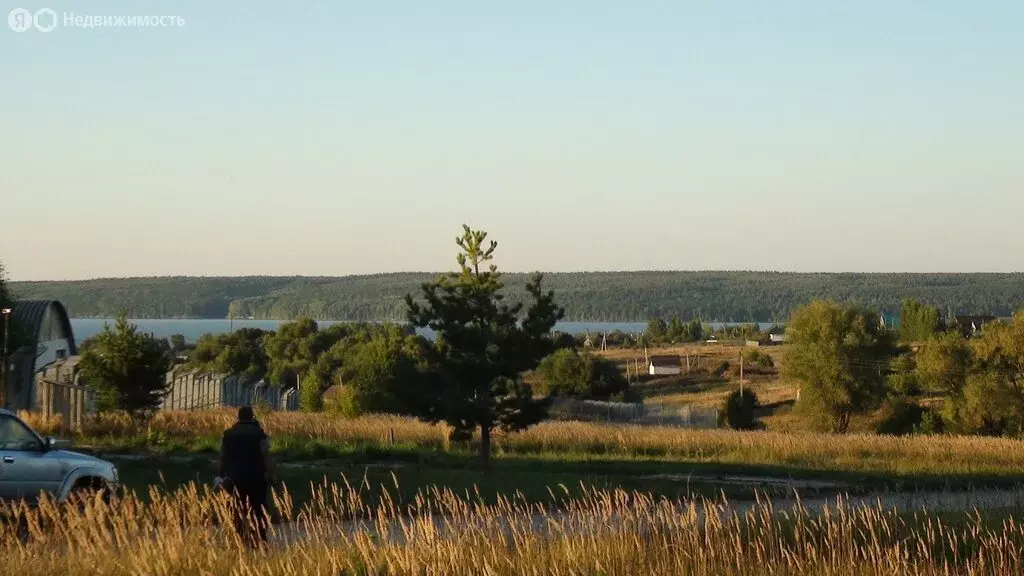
[[343, 139], [546, 272]]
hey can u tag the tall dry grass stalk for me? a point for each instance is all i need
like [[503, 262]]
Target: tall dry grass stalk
[[605, 532]]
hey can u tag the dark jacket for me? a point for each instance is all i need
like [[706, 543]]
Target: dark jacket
[[242, 452]]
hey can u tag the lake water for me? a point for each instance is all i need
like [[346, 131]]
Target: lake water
[[192, 329]]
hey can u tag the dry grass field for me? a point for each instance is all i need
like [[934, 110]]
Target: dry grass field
[[698, 387], [604, 532], [343, 529], [937, 455]]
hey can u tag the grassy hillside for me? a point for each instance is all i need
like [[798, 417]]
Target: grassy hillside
[[587, 296]]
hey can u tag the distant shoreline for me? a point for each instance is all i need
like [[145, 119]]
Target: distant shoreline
[[610, 296]]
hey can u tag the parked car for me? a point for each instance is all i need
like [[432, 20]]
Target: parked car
[[31, 465]]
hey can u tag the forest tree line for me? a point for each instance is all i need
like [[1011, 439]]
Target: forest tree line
[[585, 296]]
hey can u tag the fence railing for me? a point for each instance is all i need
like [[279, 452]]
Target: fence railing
[[635, 413], [205, 391], [70, 402]]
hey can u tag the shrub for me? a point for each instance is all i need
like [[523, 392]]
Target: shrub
[[904, 384], [629, 395], [899, 417], [758, 358], [931, 423], [721, 368], [566, 372], [904, 380], [309, 392], [739, 410], [990, 405], [345, 402]]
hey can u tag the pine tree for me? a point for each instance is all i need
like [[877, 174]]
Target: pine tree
[[127, 370], [483, 346]]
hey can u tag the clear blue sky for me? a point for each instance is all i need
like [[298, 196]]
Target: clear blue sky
[[339, 137]]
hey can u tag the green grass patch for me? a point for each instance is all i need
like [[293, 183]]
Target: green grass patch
[[856, 471]]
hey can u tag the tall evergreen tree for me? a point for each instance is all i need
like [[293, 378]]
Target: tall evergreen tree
[[657, 329], [917, 321], [128, 370], [483, 346], [676, 330]]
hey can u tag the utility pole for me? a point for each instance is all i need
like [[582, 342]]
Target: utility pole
[[741, 373], [7, 344]]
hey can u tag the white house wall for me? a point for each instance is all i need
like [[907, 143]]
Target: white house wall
[[665, 370]]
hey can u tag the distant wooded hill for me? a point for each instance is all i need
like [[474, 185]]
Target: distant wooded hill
[[586, 296]]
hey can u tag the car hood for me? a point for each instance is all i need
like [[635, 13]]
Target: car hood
[[78, 459]]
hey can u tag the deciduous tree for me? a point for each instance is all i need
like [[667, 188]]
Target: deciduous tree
[[840, 356], [992, 399], [943, 363], [292, 350], [240, 352]]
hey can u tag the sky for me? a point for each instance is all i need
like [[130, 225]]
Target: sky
[[338, 137]]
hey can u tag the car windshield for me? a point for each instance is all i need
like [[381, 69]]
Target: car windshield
[[16, 436]]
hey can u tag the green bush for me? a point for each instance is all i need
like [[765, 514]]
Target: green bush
[[903, 381], [739, 410], [721, 368], [931, 423], [899, 418], [758, 358], [567, 372], [310, 391], [345, 403], [628, 395]]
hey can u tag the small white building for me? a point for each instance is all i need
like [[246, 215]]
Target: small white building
[[664, 365], [777, 338]]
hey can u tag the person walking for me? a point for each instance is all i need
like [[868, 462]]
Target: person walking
[[246, 467]]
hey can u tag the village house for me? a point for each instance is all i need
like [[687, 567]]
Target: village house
[[971, 325], [664, 365]]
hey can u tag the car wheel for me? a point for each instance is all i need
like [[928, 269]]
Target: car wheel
[[82, 494], [18, 528], [23, 532]]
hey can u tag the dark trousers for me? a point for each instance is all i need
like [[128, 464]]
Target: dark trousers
[[251, 511]]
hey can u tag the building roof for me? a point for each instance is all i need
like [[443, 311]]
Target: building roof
[[665, 360], [966, 319], [29, 316]]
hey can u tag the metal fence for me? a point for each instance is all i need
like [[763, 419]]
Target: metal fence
[[635, 413], [205, 391]]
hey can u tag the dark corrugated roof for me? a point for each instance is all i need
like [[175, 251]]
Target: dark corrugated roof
[[665, 360], [29, 314]]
